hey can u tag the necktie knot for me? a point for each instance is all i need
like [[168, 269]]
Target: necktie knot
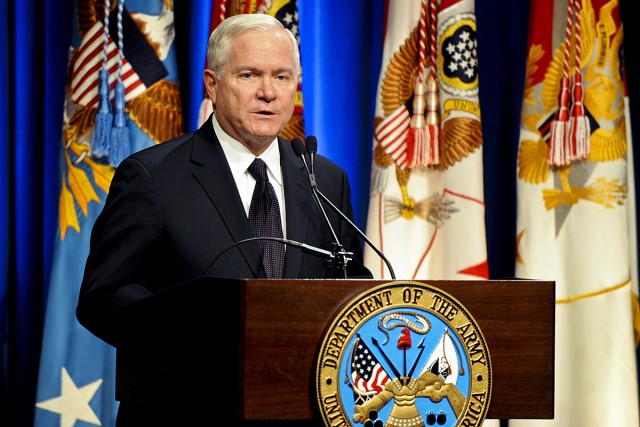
[[258, 170]]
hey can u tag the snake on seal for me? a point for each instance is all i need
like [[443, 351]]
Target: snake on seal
[[420, 326]]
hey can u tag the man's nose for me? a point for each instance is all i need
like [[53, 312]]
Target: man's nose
[[266, 90]]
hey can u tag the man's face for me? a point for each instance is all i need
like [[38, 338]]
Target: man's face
[[255, 97]]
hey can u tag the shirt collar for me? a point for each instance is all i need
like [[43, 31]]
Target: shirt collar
[[239, 156]]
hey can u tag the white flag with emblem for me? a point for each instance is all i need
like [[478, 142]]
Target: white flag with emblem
[[426, 211], [576, 208]]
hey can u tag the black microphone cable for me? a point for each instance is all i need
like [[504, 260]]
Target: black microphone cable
[[309, 248], [311, 148]]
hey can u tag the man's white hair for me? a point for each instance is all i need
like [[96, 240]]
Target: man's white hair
[[219, 46]]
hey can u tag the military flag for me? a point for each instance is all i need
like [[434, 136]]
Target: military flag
[[445, 360], [426, 209], [122, 95], [576, 207]]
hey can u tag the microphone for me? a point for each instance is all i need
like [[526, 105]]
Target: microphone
[[299, 150], [303, 246], [311, 148]]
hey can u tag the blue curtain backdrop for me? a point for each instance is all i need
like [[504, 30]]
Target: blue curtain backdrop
[[34, 42], [341, 49], [341, 54]]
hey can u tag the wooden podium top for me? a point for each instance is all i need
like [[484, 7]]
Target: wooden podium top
[[168, 341]]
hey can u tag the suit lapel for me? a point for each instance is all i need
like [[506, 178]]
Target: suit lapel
[[297, 199], [216, 179]]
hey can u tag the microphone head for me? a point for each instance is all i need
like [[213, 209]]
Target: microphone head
[[312, 144], [298, 146]]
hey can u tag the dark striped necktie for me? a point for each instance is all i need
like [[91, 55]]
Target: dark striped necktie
[[264, 217]]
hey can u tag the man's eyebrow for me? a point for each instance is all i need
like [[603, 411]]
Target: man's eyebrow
[[285, 70], [243, 68]]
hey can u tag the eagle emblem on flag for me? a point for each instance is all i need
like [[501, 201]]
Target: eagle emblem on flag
[[431, 114], [589, 60]]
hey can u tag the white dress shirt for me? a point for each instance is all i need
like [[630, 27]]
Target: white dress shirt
[[239, 158]]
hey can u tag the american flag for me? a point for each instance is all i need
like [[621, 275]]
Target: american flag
[[141, 66], [87, 63], [367, 375]]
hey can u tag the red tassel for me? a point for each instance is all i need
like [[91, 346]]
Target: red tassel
[[579, 127], [558, 149], [417, 138], [433, 148], [417, 144], [433, 123]]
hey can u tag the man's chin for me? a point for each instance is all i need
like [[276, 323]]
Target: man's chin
[[269, 131], [260, 137]]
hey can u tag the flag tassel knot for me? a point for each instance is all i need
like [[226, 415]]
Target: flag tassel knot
[[120, 144]]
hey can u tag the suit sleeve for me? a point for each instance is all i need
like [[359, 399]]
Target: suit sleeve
[[121, 251]]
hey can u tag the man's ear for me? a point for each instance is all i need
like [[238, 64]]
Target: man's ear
[[210, 84]]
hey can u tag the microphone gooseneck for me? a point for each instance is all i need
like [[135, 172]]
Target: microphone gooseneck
[[345, 257], [364, 236], [311, 148], [303, 246]]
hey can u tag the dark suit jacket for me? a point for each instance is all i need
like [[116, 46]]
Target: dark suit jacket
[[172, 208]]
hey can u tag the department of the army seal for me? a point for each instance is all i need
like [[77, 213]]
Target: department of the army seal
[[403, 354]]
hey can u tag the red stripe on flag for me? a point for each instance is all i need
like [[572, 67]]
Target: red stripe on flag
[[133, 86], [93, 46]]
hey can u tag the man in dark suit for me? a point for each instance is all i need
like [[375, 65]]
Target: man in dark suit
[[174, 207]]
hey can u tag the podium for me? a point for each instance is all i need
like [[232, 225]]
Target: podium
[[249, 346]]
